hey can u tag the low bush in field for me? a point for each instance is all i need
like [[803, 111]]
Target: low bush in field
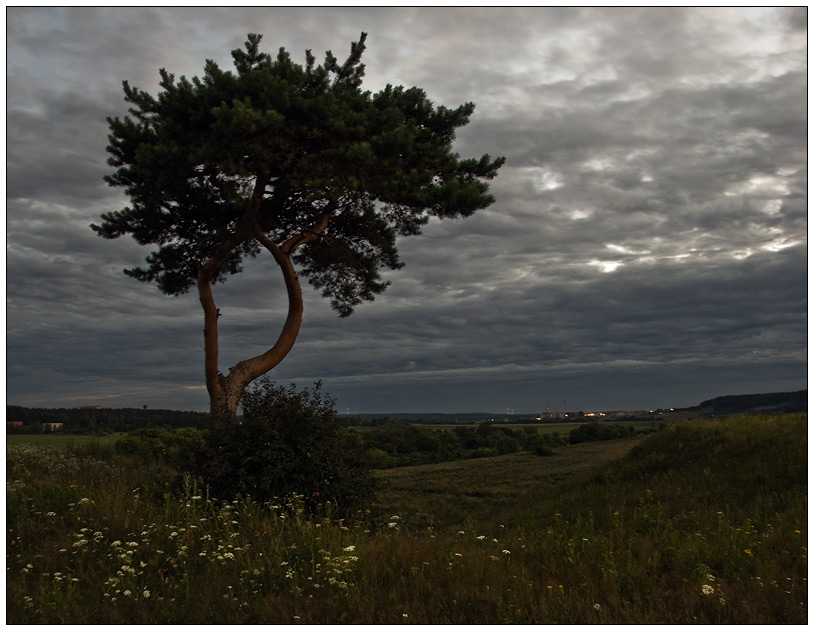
[[288, 443], [592, 432], [705, 522]]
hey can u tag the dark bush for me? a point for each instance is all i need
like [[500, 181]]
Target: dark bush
[[288, 442], [506, 445], [542, 450], [180, 448], [592, 432]]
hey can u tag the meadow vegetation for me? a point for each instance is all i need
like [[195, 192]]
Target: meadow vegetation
[[702, 522]]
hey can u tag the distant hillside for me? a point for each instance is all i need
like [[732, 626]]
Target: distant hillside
[[769, 402], [729, 404]]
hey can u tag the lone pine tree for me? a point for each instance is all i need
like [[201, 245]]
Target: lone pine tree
[[297, 161]]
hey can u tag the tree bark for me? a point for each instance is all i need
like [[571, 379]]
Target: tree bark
[[225, 392], [214, 380], [223, 408]]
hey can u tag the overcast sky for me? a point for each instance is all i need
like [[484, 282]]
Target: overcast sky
[[647, 247]]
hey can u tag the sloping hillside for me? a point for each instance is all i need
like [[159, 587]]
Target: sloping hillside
[[744, 403]]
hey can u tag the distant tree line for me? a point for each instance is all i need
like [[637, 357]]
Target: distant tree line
[[98, 420], [399, 443], [395, 443]]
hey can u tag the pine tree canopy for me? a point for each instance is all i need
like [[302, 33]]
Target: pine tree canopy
[[279, 154]]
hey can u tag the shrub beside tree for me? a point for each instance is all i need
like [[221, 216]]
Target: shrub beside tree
[[288, 442]]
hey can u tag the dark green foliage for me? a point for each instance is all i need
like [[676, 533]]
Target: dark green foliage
[[288, 443], [506, 445], [101, 420], [591, 432], [275, 146], [181, 448], [543, 450], [395, 443]]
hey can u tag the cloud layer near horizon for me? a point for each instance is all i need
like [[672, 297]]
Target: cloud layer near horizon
[[647, 247]]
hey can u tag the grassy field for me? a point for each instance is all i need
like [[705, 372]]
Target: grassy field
[[703, 522], [464, 491]]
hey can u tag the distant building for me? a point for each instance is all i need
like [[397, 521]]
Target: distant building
[[90, 407], [51, 427], [545, 415]]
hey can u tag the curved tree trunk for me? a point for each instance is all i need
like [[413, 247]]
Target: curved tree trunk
[[225, 392]]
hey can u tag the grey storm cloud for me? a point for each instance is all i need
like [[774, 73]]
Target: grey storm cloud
[[647, 247]]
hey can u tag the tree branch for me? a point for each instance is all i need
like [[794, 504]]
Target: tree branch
[[227, 390], [310, 234], [244, 372]]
